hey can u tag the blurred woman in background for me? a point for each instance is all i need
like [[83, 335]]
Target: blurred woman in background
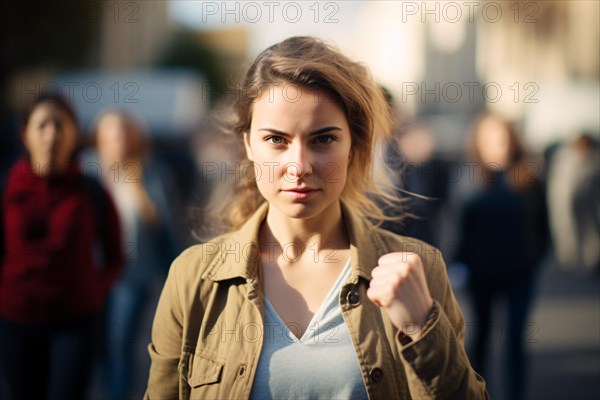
[[60, 253], [137, 189], [504, 237]]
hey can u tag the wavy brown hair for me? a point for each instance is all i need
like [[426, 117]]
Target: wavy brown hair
[[315, 65]]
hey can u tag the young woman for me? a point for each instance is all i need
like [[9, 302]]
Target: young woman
[[137, 188], [60, 253], [503, 261], [306, 298]]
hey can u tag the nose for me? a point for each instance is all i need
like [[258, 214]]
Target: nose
[[52, 132], [300, 163]]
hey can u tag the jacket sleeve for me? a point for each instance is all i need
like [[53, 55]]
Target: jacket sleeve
[[165, 349], [436, 363]]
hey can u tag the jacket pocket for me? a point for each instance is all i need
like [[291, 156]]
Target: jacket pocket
[[204, 371]]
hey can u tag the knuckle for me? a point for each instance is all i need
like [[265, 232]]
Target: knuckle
[[397, 279], [384, 258], [411, 256]]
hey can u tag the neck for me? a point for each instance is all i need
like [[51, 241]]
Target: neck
[[325, 230], [47, 168]]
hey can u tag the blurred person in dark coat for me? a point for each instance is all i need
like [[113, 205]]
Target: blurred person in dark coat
[[60, 252], [420, 179], [504, 237], [423, 174]]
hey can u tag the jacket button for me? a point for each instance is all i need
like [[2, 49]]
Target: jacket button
[[353, 297], [241, 371], [376, 375]]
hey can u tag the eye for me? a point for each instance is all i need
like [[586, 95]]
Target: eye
[[277, 140], [325, 139]]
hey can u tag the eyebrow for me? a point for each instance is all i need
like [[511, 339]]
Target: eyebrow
[[313, 133]]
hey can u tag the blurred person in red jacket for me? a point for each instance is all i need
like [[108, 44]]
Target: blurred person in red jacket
[[60, 253]]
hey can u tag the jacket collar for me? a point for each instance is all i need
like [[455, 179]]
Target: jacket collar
[[239, 256]]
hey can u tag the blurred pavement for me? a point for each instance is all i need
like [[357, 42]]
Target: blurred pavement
[[564, 337]]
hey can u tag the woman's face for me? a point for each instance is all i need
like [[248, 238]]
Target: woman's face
[[112, 140], [493, 142], [299, 141], [50, 138]]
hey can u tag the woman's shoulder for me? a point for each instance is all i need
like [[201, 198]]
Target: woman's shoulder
[[199, 259], [19, 175]]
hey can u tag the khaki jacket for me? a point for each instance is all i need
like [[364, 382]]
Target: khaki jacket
[[207, 332]]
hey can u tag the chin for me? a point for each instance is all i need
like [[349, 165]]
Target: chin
[[303, 210], [295, 211]]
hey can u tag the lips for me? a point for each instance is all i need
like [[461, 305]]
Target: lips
[[300, 190], [300, 193]]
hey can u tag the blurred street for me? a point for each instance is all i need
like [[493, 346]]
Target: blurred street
[[564, 337]]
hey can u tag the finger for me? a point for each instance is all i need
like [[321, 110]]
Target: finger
[[384, 270], [395, 273], [398, 257], [389, 258], [392, 279], [380, 296], [372, 295]]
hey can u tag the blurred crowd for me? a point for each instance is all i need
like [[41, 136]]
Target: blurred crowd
[[87, 239], [92, 220], [497, 213]]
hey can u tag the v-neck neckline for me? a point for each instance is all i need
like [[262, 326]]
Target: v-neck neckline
[[326, 300]]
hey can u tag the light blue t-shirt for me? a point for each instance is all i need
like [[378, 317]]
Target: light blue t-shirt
[[322, 364]]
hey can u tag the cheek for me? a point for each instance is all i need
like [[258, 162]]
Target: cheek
[[33, 140], [334, 170], [265, 172], [267, 166]]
